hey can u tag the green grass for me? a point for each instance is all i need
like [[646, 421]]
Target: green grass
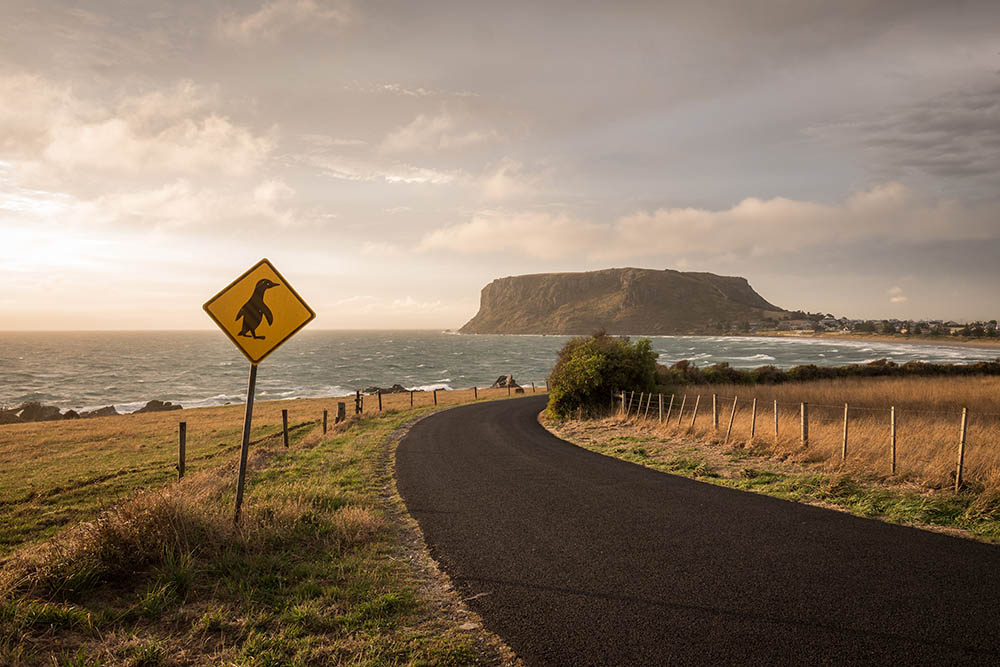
[[313, 575], [976, 513], [55, 474]]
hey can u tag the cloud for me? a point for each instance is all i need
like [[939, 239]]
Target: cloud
[[324, 141], [380, 249], [403, 90], [346, 169], [279, 16], [427, 133], [751, 227], [380, 305], [508, 179], [896, 295], [171, 130], [540, 235], [183, 204], [953, 136]]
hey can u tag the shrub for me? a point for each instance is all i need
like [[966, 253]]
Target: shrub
[[590, 369], [684, 372]]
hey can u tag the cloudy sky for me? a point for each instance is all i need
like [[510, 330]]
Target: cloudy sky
[[391, 158]]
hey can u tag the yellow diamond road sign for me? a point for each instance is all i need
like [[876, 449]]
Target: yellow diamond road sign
[[259, 311]]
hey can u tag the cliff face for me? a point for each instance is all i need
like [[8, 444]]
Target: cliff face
[[622, 301]]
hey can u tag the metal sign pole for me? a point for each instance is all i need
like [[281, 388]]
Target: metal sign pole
[[251, 385]]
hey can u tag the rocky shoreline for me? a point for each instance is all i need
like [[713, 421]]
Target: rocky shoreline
[[33, 411]]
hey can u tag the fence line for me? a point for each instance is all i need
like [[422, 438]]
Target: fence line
[[846, 413], [407, 399]]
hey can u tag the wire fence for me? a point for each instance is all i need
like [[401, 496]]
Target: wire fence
[[935, 446], [327, 412]]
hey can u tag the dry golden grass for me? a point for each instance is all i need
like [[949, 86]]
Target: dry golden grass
[[928, 420], [313, 573], [53, 474]]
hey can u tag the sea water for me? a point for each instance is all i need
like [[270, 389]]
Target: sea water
[[85, 370]]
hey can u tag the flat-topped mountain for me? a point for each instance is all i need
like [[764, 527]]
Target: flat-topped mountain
[[621, 301]]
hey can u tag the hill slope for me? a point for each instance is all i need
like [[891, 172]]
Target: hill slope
[[622, 301]]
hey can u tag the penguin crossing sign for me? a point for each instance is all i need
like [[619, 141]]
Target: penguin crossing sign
[[259, 311]]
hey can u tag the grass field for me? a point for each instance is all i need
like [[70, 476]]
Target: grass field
[[108, 560], [928, 424], [53, 474], [928, 417]]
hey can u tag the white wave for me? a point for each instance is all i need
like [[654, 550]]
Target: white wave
[[432, 387], [755, 357]]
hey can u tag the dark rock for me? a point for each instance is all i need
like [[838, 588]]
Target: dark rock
[[71, 414], [9, 417], [505, 381], [394, 389], [106, 411], [159, 406], [36, 412]]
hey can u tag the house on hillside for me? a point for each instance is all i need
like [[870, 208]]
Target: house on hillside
[[796, 325]]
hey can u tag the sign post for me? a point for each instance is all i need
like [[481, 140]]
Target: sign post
[[258, 312]]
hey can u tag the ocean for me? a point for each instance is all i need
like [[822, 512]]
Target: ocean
[[86, 370]]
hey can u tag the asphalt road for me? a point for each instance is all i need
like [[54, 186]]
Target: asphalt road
[[574, 558]]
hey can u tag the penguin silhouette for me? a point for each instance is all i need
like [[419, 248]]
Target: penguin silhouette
[[255, 309]]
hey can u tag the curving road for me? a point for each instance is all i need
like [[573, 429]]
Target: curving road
[[574, 558]]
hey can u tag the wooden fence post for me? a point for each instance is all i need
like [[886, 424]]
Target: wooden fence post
[[475, 393], [380, 400], [649, 400], [181, 448], [694, 415], [805, 423], [670, 409], [715, 411], [341, 412], [775, 421], [843, 447], [324, 422], [435, 397], [622, 413], [732, 416], [628, 409], [357, 402], [681, 413], [532, 387], [284, 426], [660, 420], [892, 440], [961, 448], [411, 398], [753, 419]]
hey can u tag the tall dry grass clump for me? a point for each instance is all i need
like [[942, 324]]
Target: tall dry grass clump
[[190, 519], [125, 538], [928, 416]]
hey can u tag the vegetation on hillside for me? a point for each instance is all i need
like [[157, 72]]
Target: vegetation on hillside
[[685, 373], [590, 369]]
